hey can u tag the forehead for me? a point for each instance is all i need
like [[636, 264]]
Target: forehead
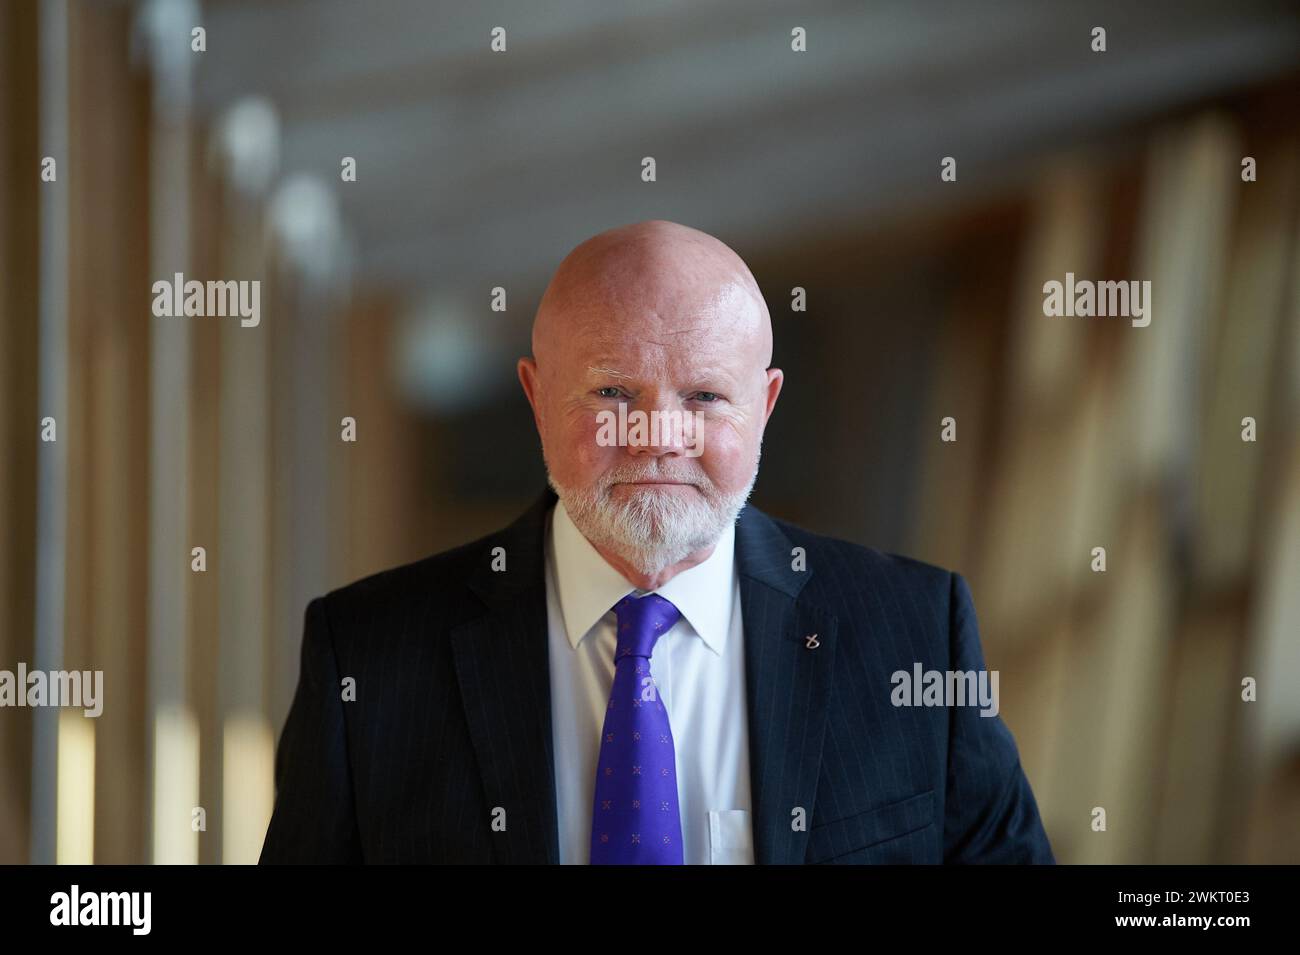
[[724, 316], [653, 346], [679, 359], [698, 368]]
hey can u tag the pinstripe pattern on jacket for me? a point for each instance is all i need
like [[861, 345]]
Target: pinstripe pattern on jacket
[[445, 754]]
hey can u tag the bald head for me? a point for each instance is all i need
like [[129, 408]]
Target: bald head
[[653, 320], [654, 278]]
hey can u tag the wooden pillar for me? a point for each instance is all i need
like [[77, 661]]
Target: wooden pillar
[[109, 321], [19, 409], [175, 743]]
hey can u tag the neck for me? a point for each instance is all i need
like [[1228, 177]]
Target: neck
[[642, 580]]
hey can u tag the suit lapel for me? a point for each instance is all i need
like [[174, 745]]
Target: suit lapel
[[789, 662], [503, 669]]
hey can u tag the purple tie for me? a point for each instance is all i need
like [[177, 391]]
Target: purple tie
[[635, 819]]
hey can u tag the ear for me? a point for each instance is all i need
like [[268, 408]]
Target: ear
[[775, 378], [527, 371]]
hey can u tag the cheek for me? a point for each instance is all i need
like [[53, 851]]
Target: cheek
[[575, 455], [728, 457]]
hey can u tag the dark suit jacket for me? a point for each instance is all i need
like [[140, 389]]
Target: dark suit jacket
[[452, 713]]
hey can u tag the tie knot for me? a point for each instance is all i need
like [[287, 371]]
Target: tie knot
[[641, 622]]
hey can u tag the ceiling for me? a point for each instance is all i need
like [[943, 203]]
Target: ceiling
[[471, 164]]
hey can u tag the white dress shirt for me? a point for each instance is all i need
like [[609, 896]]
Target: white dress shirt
[[699, 669]]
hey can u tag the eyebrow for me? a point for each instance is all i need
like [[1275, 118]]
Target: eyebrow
[[703, 375], [599, 371]]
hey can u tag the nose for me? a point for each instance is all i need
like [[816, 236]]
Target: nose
[[657, 427]]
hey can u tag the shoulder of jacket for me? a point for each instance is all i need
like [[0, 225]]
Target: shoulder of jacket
[[865, 563]]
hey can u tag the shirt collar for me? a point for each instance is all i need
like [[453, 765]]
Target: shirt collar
[[588, 587]]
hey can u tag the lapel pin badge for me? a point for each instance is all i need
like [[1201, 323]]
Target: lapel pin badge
[[811, 642]]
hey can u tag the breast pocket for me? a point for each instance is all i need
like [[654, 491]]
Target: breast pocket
[[880, 829], [731, 837]]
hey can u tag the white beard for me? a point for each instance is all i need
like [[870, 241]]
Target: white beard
[[652, 529]]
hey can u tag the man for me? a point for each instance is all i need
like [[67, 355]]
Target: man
[[645, 670]]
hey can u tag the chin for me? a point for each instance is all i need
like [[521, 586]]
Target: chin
[[652, 562]]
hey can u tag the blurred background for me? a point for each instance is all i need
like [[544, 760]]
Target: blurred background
[[479, 170]]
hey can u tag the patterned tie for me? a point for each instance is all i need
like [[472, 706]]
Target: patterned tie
[[635, 819]]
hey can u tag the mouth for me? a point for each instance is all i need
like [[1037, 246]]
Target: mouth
[[653, 486]]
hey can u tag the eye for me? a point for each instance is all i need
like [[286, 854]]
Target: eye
[[707, 396], [608, 388]]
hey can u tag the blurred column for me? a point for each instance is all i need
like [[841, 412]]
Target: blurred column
[[52, 460], [387, 499], [19, 414], [1237, 508], [313, 258], [102, 766], [165, 28], [1182, 250], [1048, 503], [246, 149], [1271, 726], [1029, 521]]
